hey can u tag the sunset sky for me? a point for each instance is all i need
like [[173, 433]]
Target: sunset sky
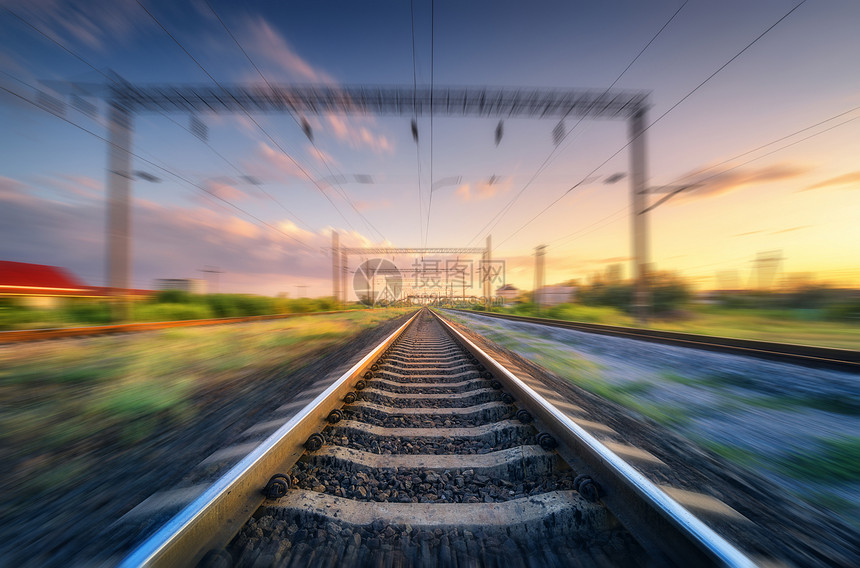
[[773, 137]]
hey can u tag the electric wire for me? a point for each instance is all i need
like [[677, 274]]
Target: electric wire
[[113, 80], [648, 127], [251, 118], [432, 82], [319, 152], [557, 148], [155, 165], [415, 118], [733, 158]]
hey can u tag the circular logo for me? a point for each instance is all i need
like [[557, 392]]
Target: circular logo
[[377, 282]]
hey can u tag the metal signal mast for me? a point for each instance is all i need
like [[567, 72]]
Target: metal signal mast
[[125, 100]]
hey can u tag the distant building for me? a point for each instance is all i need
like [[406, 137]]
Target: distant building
[[508, 293], [190, 285], [555, 295]]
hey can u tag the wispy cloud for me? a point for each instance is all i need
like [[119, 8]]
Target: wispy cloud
[[791, 229], [321, 156], [166, 237], [849, 179], [97, 24], [483, 190], [357, 136], [726, 182], [266, 44]]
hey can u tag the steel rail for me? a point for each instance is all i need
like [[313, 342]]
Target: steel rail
[[646, 511], [213, 518], [23, 335], [805, 355]]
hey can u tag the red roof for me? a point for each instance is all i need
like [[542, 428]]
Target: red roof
[[24, 278]]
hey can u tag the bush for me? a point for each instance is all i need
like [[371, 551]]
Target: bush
[[668, 293], [173, 297], [93, 313], [171, 312], [844, 311]]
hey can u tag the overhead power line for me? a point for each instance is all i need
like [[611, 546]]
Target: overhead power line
[[674, 106], [554, 152], [111, 79], [432, 85], [320, 154], [162, 168], [251, 118]]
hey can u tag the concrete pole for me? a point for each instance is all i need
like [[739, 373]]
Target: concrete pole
[[539, 275], [119, 209], [344, 277], [488, 285], [335, 266], [639, 228]]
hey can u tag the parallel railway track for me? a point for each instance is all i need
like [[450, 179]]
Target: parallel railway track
[[805, 355], [428, 452]]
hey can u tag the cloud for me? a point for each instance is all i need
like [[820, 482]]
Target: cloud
[[13, 191], [791, 229], [748, 233], [321, 156], [272, 163], [224, 190], [483, 190], [266, 43], [849, 179], [98, 24], [370, 205], [167, 242], [729, 181], [357, 136]]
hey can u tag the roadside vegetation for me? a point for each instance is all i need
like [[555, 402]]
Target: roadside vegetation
[[65, 405], [809, 314], [168, 305]]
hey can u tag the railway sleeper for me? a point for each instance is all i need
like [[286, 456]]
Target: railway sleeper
[[511, 464], [445, 400]]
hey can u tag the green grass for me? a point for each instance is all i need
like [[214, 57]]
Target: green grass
[[734, 454], [778, 325], [836, 462], [65, 398], [837, 405]]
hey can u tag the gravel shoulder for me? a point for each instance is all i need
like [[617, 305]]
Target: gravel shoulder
[[672, 384]]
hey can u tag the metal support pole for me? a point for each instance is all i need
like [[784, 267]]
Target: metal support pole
[[539, 276], [344, 277], [639, 229], [335, 267], [488, 283], [119, 178]]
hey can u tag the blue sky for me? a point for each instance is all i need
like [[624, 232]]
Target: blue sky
[[802, 199]]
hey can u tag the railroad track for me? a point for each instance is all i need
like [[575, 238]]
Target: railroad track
[[806, 355], [428, 452]]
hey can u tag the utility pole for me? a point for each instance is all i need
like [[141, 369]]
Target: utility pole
[[639, 229], [212, 270], [488, 281], [344, 277], [539, 275], [119, 211], [335, 267]]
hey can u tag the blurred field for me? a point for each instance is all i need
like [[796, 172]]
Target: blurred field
[[170, 305], [65, 405], [806, 327]]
